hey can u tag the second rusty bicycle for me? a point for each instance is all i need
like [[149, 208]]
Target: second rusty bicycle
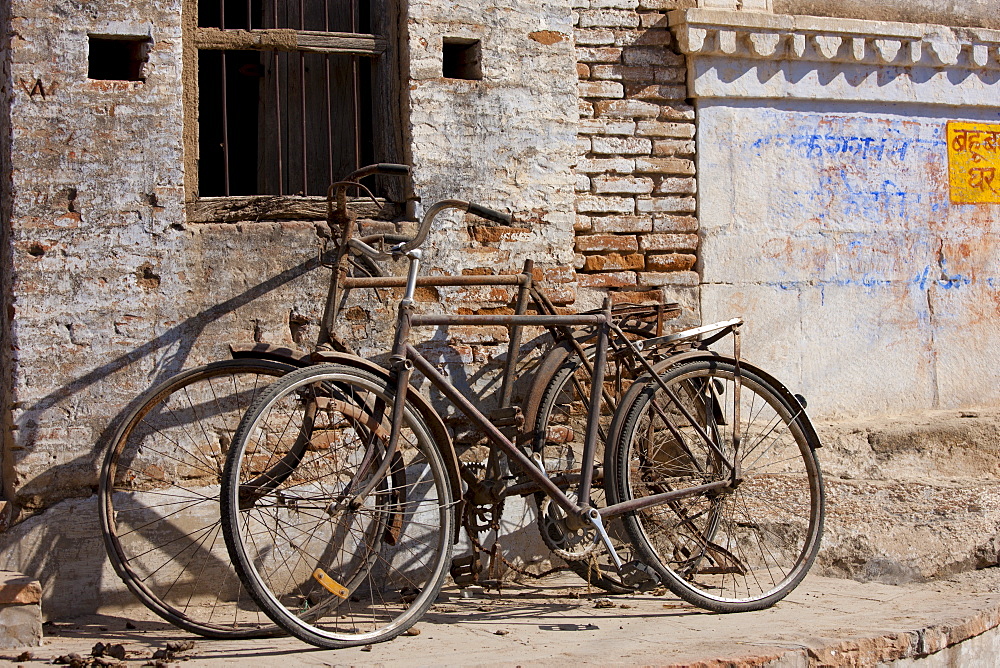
[[341, 487]]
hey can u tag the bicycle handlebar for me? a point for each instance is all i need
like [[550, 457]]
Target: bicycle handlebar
[[490, 214], [383, 168], [352, 179], [425, 226]]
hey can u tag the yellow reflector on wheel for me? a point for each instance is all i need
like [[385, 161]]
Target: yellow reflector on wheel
[[330, 584]]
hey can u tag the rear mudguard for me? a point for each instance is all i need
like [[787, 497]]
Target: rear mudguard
[[419, 402], [708, 355]]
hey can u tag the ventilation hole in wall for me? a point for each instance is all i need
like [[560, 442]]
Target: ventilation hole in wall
[[36, 250], [118, 57], [147, 278], [462, 58]]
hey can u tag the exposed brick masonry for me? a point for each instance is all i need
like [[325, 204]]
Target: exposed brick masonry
[[636, 226]]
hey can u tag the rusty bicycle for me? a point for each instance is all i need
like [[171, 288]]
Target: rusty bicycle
[[159, 482], [341, 490]]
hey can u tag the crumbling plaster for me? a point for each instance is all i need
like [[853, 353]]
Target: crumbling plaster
[[506, 141], [972, 13], [114, 289]]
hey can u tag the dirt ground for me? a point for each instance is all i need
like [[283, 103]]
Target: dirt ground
[[559, 623]]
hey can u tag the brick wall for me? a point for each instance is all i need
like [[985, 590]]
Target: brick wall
[[636, 226]]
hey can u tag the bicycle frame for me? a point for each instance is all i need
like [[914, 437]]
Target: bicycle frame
[[405, 358]]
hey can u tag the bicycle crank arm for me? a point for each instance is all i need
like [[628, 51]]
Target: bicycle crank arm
[[595, 520]]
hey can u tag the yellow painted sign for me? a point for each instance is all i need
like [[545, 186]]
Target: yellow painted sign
[[974, 162]]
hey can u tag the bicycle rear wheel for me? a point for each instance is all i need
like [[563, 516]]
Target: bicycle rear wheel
[[158, 498], [738, 549], [331, 567]]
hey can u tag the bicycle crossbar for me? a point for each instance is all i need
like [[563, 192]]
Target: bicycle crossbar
[[433, 281], [658, 499], [539, 320]]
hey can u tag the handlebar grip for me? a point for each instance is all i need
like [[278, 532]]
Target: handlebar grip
[[392, 169], [490, 214]]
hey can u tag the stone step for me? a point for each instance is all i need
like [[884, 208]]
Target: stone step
[[911, 498], [20, 611], [949, 444]]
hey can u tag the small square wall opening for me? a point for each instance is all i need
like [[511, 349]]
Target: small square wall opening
[[462, 58], [118, 57]]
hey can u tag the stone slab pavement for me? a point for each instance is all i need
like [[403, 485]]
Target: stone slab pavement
[[556, 622]]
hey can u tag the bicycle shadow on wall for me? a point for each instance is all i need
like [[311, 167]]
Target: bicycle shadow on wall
[[77, 532], [483, 385]]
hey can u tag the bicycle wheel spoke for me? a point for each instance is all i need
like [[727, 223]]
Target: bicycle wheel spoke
[[740, 548], [384, 547]]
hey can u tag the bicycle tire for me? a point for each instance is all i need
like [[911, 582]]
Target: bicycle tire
[[558, 431], [735, 551], [333, 573], [158, 498]]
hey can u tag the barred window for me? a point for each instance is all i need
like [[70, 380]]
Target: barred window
[[285, 94]]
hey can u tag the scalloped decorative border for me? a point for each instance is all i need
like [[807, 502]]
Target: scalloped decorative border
[[706, 35]]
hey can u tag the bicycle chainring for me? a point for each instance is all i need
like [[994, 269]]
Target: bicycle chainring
[[565, 543]]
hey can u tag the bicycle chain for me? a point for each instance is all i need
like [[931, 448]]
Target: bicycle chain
[[472, 521], [496, 554]]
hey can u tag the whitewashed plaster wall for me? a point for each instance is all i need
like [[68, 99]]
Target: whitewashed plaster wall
[[825, 211], [507, 140]]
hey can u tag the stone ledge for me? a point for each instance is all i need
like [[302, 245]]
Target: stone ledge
[[784, 37], [19, 589], [756, 55]]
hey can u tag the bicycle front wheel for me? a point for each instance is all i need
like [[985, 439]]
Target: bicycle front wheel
[[159, 498], [331, 564], [738, 549]]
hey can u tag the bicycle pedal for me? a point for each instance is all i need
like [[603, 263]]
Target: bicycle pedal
[[639, 576], [465, 570], [508, 420], [507, 415]]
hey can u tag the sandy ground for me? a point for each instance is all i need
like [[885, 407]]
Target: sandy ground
[[558, 623]]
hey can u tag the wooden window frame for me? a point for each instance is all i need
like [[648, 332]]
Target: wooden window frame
[[387, 90]]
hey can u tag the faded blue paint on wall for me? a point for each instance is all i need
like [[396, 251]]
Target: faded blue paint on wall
[[832, 231], [856, 183]]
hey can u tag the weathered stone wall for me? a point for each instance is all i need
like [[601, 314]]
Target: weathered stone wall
[[636, 228], [506, 141], [113, 289], [867, 290], [6, 194], [827, 210], [96, 180]]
